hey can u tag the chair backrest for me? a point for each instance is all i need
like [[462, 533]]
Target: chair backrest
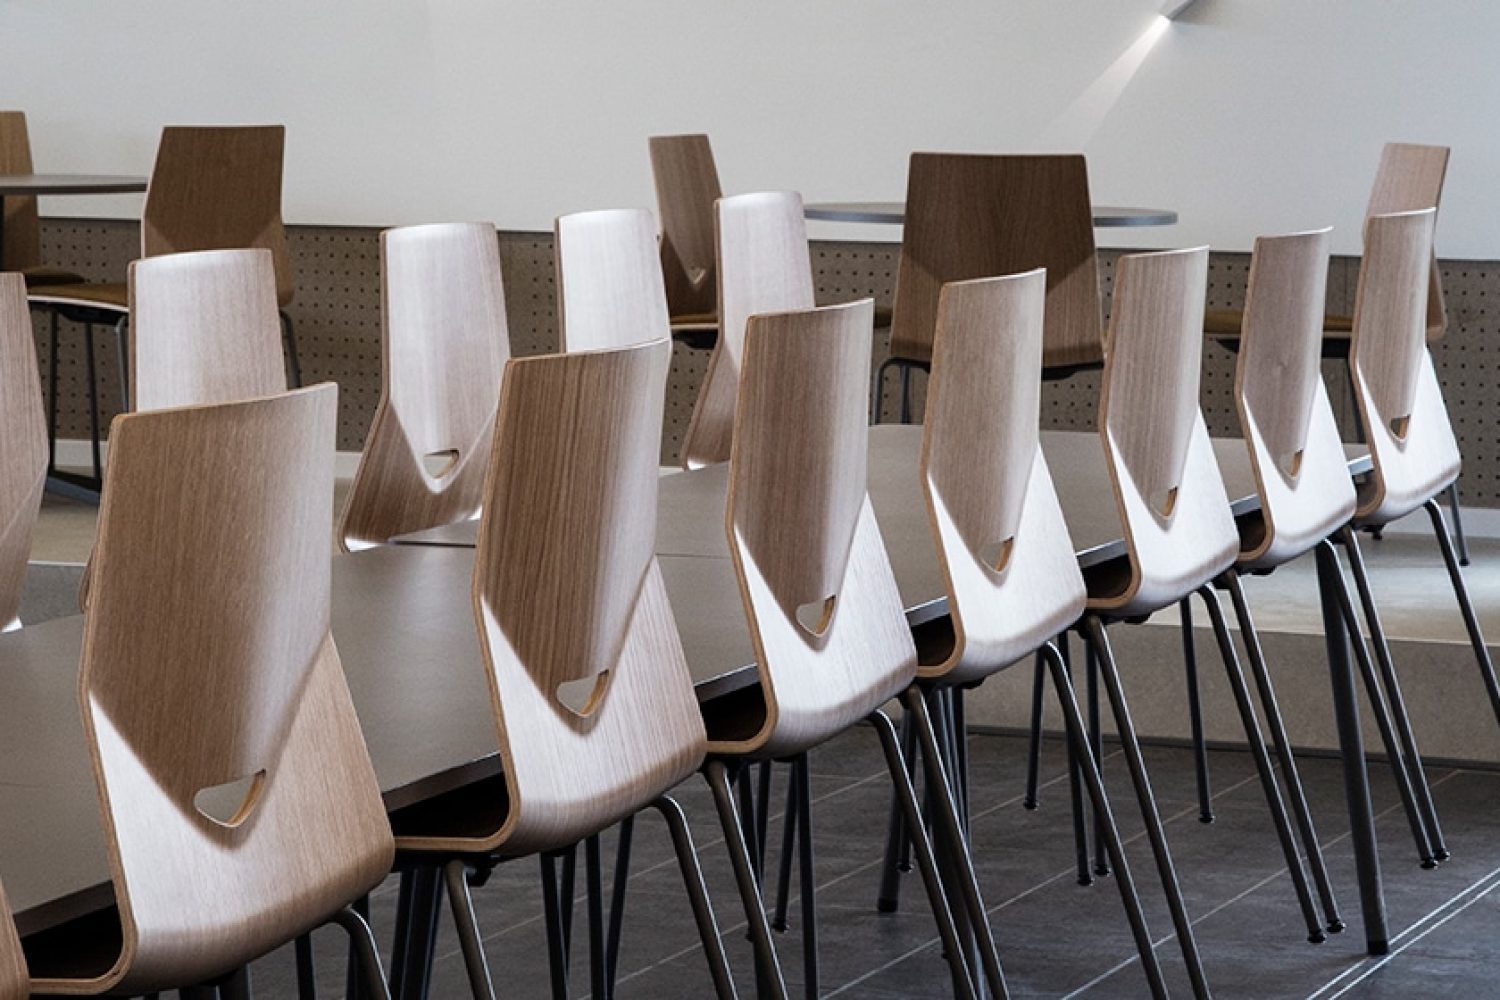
[[1179, 530], [204, 328], [827, 620], [975, 216], [590, 684], [1400, 401], [764, 267], [240, 807], [1295, 451], [15, 984], [22, 247], [218, 188], [23, 445], [1410, 178], [687, 185], [609, 283], [1013, 579], [444, 345]]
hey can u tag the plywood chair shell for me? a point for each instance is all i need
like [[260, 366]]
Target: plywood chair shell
[[1412, 446], [1295, 451], [974, 216], [444, 343], [15, 984], [687, 185], [23, 446], [764, 266], [208, 661], [802, 532], [609, 280], [1179, 531], [22, 246], [1013, 581], [1410, 178]]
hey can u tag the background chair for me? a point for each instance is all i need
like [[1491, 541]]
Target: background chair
[[15, 984], [763, 267], [974, 216], [609, 282], [23, 446], [687, 185], [22, 248], [239, 803], [444, 346]]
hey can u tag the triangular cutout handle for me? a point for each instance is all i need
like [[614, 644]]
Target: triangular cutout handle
[[231, 803]]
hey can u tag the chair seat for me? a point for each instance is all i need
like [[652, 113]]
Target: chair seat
[[90, 295], [693, 322], [1227, 322], [49, 276]]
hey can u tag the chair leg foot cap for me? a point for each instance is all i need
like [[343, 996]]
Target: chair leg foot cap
[[1336, 926]]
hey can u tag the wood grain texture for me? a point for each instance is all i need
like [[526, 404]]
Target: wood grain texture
[[209, 661], [23, 445], [1179, 530], [825, 614], [975, 216], [609, 280], [444, 344], [1400, 402], [1410, 178], [15, 984], [567, 591], [763, 267], [21, 249], [204, 328], [1012, 579], [687, 185], [1300, 470]]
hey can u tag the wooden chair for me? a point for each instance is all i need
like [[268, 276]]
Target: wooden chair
[[609, 281], [687, 185], [826, 619], [594, 706], [444, 346], [974, 216], [23, 446], [239, 804], [15, 983], [22, 248], [763, 267], [212, 188]]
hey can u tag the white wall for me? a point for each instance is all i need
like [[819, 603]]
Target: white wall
[[1246, 116]]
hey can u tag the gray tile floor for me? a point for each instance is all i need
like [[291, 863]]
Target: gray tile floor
[[1056, 938]]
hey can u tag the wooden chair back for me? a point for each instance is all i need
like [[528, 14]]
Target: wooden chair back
[[591, 689], [687, 185], [1179, 531], [218, 188], [1296, 454], [204, 328], [825, 615], [974, 216], [1013, 579], [1400, 401], [764, 267], [609, 281], [240, 807], [15, 983], [22, 247], [23, 445], [444, 345], [1410, 178]]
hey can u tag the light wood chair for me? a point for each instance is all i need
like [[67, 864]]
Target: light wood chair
[[594, 706], [825, 617], [763, 267], [22, 247], [23, 446], [239, 804], [444, 344], [15, 982], [609, 281], [687, 185], [975, 216], [212, 188]]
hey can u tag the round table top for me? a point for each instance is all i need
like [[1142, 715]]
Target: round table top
[[34, 184], [892, 213]]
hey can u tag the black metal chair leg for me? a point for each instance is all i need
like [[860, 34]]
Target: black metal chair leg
[[762, 811], [1457, 513], [617, 898], [897, 764], [788, 840], [557, 956], [768, 970], [1078, 739], [1195, 713], [1075, 790], [1283, 746], [122, 358], [52, 395], [461, 901], [294, 363], [906, 394], [1096, 748], [89, 363], [236, 985], [747, 820], [565, 896], [594, 878], [362, 942], [352, 974], [1034, 745], [897, 843], [961, 752], [1263, 768], [1409, 756], [692, 881], [307, 984], [417, 912], [1093, 633], [1461, 593], [802, 782], [955, 847]]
